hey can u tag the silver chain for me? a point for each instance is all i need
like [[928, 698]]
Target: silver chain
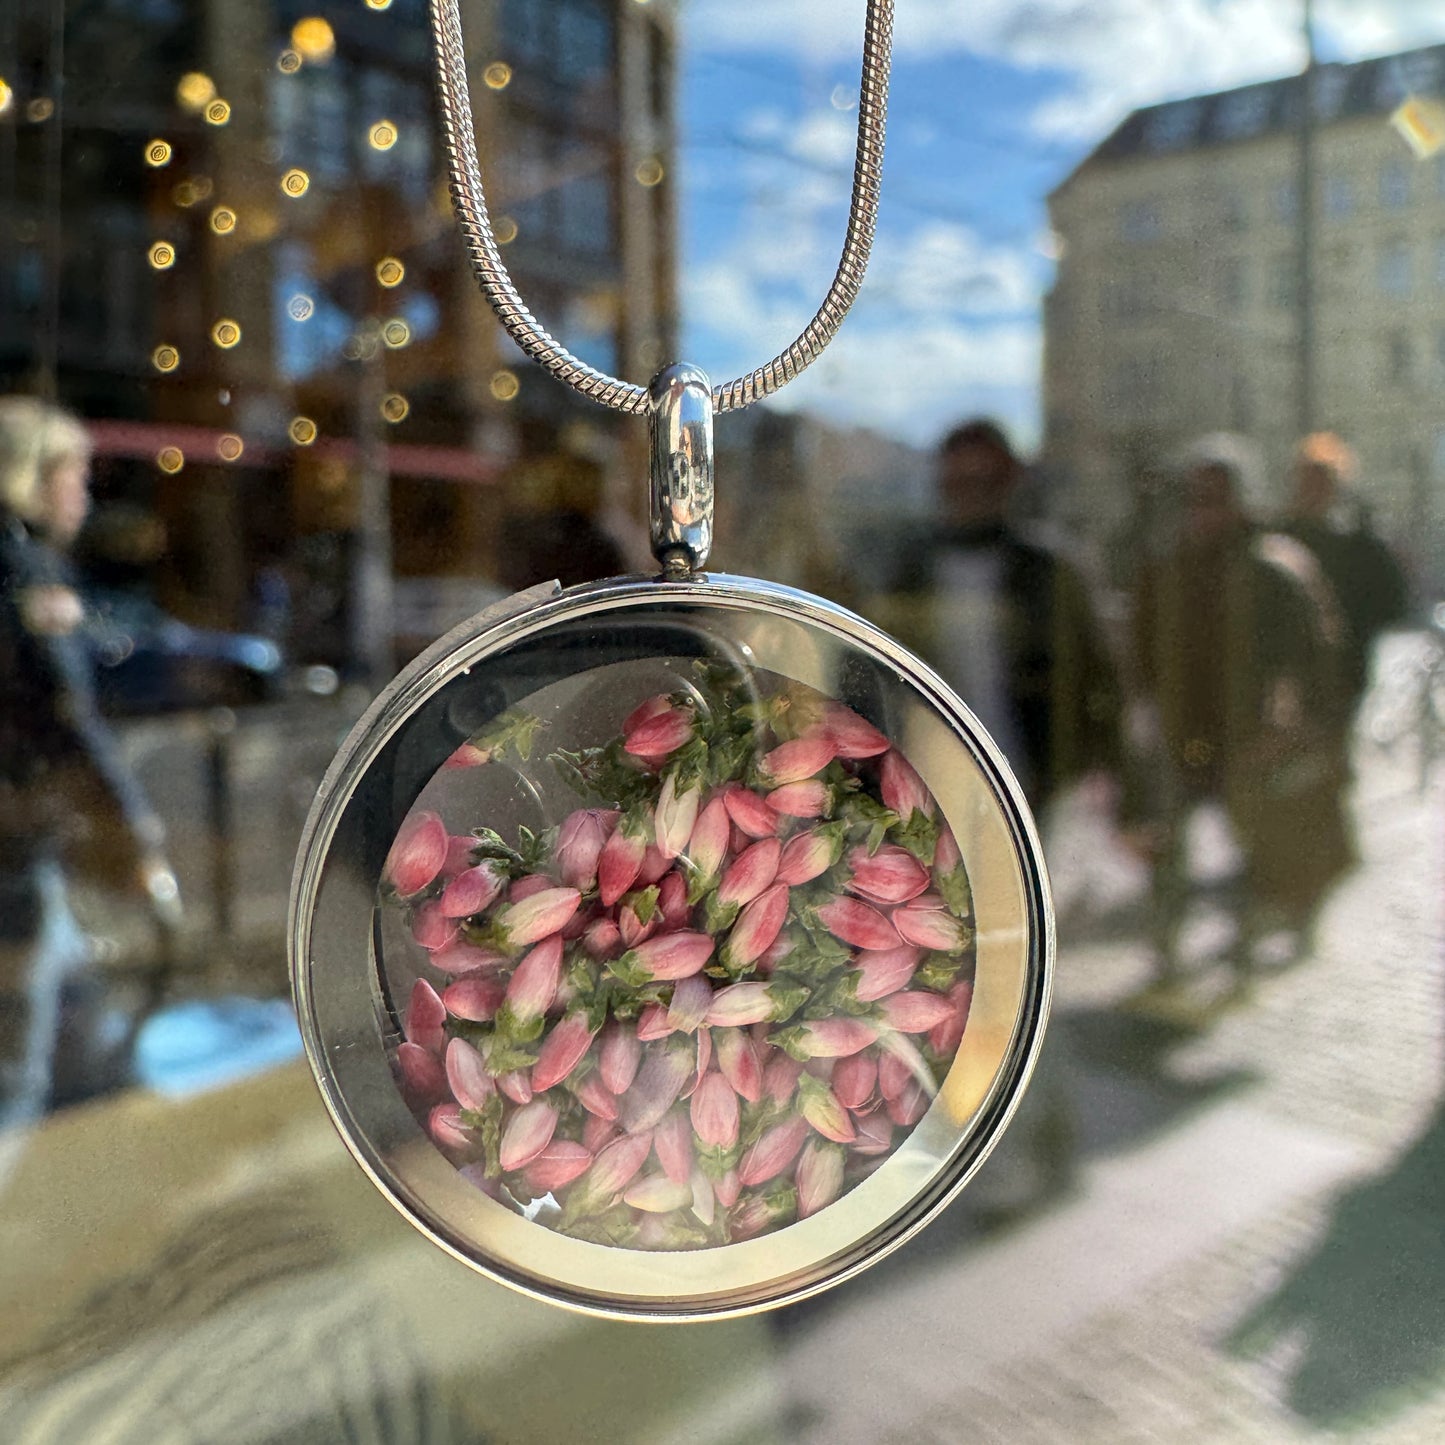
[[470, 203]]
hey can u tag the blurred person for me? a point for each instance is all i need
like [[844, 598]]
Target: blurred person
[[1011, 627], [1238, 648], [1368, 582], [64, 784]]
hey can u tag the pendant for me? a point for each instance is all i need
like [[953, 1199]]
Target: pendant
[[674, 947]]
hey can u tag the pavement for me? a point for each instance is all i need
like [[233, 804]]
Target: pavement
[[1248, 1240]]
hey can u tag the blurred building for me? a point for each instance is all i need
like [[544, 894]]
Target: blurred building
[[1176, 308], [225, 238]]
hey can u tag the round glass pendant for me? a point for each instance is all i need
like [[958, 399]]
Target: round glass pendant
[[670, 949]]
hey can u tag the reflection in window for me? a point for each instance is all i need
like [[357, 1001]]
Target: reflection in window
[[1394, 270], [1339, 196]]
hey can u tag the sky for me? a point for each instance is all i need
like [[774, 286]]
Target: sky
[[994, 102]]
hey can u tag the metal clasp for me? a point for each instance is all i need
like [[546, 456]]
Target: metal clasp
[[682, 469]]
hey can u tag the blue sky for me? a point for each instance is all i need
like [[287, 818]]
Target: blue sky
[[994, 101]]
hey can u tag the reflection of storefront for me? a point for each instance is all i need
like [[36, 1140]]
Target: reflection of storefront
[[232, 249]]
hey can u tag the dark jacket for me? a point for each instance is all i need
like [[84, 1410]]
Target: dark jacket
[[1062, 686], [54, 745]]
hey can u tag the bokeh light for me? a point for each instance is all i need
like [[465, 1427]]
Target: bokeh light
[[313, 39], [158, 153], [498, 75], [218, 112], [302, 430], [226, 333], [395, 408], [382, 135], [649, 172], [505, 230], [229, 447], [288, 62], [300, 307], [7, 96], [223, 220], [505, 386], [195, 90], [390, 272], [40, 109], [170, 460], [165, 357], [396, 333], [162, 256], [295, 182]]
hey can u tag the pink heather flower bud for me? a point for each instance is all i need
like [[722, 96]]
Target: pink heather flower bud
[[664, 1070], [528, 1132], [757, 926], [533, 984], [704, 1059], [469, 755], [946, 856], [473, 891], [901, 787], [708, 845], [562, 1050], [795, 761], [704, 1201], [537, 917], [854, 1079], [691, 1000], [632, 929], [835, 1038], [740, 1004], [820, 1107], [809, 855], [619, 1056], [422, 1076], [772, 1153], [621, 858], [672, 1143], [780, 1078], [648, 708], [467, 1075], [905, 1059], [749, 812], [426, 1018], [858, 924], [459, 854], [475, 997], [714, 1111], [653, 1023], [813, 799], [657, 1194], [885, 972], [595, 1097], [850, 735], [445, 1126], [875, 1134], [931, 928], [616, 1166], [672, 901], [944, 1038], [727, 1189], [580, 840], [891, 875], [602, 939], [556, 1166], [662, 734], [462, 957], [676, 816], [598, 1133], [529, 887], [750, 872], [819, 1176], [910, 1105], [517, 1086], [417, 853], [669, 956], [915, 1012], [737, 1057], [432, 928], [654, 864]]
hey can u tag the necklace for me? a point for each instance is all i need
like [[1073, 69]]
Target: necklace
[[669, 947]]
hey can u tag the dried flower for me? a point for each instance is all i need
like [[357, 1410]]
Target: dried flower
[[422, 1075], [417, 854], [691, 1001], [915, 1011], [562, 1050], [660, 735], [621, 857], [672, 1143], [556, 1166], [777, 1148], [737, 1057], [809, 855], [475, 997], [750, 872], [527, 1133], [534, 981], [473, 891], [749, 812], [757, 926], [426, 1018], [886, 971], [858, 924], [945, 1037], [714, 1112], [795, 761], [665, 1068], [467, 1075], [891, 875], [666, 957], [657, 1194], [432, 928], [931, 928], [820, 1107], [854, 1079], [580, 841], [902, 789], [813, 799], [819, 1176], [620, 1054], [850, 735], [677, 810]]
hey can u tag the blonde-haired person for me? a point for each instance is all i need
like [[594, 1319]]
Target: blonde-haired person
[[61, 770]]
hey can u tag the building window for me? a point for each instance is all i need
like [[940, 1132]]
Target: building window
[[1339, 197], [1398, 357], [1395, 186], [1140, 222], [1394, 269], [1286, 200]]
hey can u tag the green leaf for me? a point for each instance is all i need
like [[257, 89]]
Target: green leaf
[[487, 1121], [939, 972], [630, 970], [643, 903], [919, 835], [956, 893]]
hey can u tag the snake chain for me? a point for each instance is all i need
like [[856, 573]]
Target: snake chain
[[469, 201]]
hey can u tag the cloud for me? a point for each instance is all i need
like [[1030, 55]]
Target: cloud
[[1111, 55]]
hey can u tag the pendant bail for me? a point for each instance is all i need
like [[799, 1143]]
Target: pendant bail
[[682, 469]]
